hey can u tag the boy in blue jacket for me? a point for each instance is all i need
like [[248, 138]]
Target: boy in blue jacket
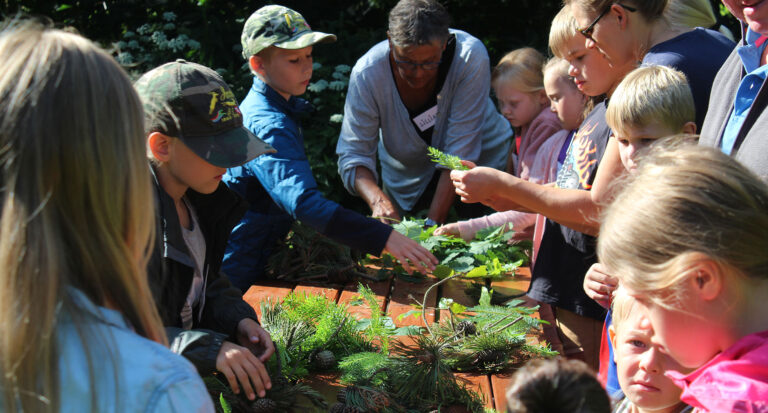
[[280, 187]]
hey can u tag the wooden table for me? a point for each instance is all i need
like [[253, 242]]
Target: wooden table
[[393, 297]]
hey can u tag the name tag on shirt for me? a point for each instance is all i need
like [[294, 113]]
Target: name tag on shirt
[[427, 119]]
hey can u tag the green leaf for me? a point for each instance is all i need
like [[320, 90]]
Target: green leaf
[[462, 264], [224, 404], [442, 271], [477, 272], [64, 7], [408, 331], [415, 313], [485, 296], [457, 308]]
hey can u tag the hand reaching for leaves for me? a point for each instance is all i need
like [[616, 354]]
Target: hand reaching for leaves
[[410, 253], [242, 368]]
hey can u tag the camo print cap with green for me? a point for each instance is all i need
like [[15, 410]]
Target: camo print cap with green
[[281, 27]]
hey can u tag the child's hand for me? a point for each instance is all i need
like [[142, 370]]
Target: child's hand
[[448, 229], [409, 252], [253, 337], [239, 365], [600, 285], [475, 185]]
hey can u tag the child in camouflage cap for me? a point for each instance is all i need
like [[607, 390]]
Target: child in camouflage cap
[[280, 187], [195, 131]]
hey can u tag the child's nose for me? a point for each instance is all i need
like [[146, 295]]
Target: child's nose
[[552, 107], [650, 360], [572, 71]]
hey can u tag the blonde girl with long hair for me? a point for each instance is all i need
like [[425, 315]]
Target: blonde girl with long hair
[[78, 325], [518, 82], [688, 239]]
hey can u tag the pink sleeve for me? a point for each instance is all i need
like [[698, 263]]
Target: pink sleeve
[[544, 168], [520, 221]]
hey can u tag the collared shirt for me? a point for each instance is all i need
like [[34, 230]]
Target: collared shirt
[[735, 380], [750, 55], [129, 373]]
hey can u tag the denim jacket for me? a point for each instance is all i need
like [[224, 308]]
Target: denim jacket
[[280, 188], [130, 372]]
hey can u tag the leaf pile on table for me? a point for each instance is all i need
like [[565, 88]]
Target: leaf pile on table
[[306, 255], [385, 368], [489, 255]]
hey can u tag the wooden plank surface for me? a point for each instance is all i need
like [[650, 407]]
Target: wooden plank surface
[[480, 383], [400, 302], [274, 290], [499, 384], [393, 297]]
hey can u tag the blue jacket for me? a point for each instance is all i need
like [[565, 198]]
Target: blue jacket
[[280, 188], [130, 373]]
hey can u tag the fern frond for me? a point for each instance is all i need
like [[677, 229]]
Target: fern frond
[[446, 160]]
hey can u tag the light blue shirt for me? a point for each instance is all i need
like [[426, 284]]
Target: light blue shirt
[[750, 55], [376, 121], [130, 372]]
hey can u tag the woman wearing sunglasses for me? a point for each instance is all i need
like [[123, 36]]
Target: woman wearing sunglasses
[[642, 31], [426, 85]]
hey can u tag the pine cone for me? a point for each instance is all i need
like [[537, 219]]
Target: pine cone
[[341, 396], [490, 357], [466, 327], [338, 408], [264, 405], [325, 360]]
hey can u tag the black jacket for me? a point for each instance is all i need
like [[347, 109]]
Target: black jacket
[[171, 271]]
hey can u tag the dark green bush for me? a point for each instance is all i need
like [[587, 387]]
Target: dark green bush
[[146, 33]]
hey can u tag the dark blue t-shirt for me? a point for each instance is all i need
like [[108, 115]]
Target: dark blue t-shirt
[[699, 54], [565, 254]]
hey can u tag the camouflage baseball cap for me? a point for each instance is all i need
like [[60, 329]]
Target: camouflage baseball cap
[[281, 27], [193, 103]]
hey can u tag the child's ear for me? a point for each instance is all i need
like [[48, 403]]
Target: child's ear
[[612, 338], [689, 128], [706, 277], [160, 146], [543, 98], [257, 64]]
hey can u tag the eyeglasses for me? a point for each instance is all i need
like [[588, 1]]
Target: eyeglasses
[[410, 66], [587, 31]]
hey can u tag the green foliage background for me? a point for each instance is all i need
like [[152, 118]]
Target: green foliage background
[[146, 33]]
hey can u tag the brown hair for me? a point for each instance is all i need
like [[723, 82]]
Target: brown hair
[[651, 10], [418, 22], [556, 385]]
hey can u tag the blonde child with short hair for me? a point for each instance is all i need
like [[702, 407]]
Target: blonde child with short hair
[[80, 331], [650, 103], [641, 363], [687, 238]]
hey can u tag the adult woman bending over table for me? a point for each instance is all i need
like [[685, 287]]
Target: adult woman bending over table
[[426, 85]]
